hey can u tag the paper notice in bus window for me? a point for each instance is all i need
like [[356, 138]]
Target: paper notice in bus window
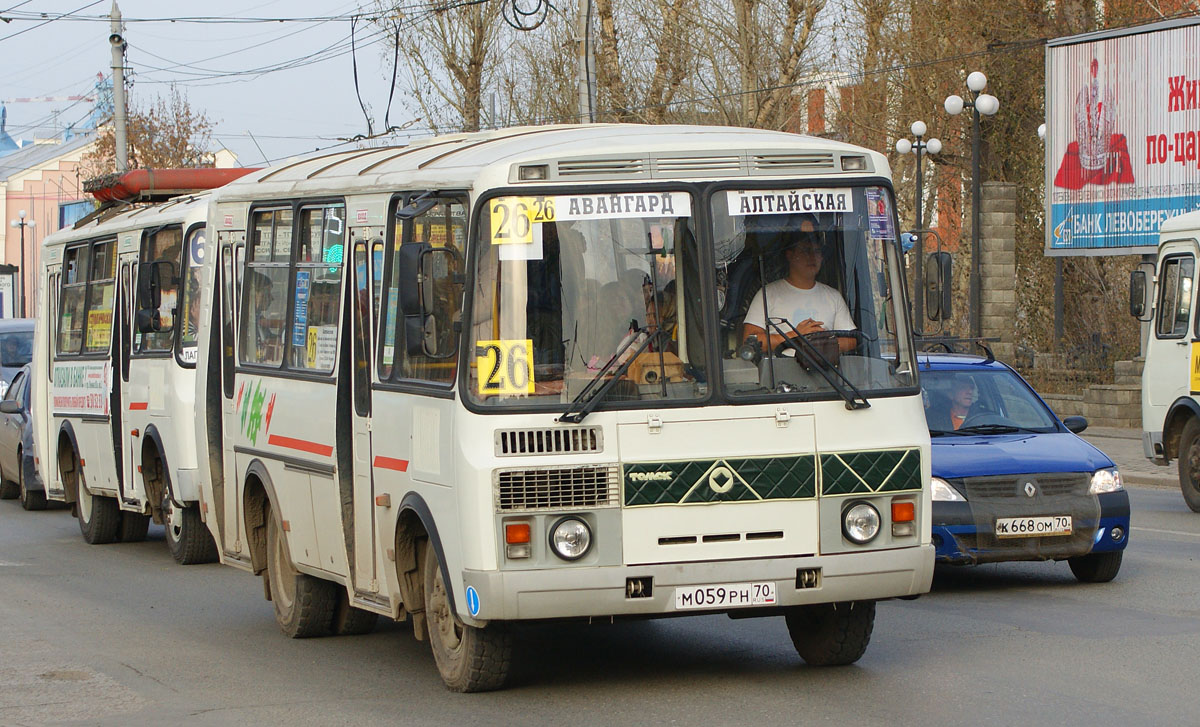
[[788, 201], [878, 215], [321, 347], [99, 329], [513, 218], [504, 366]]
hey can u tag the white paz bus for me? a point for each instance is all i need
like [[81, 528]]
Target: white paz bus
[[505, 376], [116, 362]]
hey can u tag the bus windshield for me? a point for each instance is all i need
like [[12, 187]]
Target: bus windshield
[[576, 292]]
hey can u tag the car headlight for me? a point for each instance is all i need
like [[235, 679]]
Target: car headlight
[[860, 523], [570, 538], [943, 491], [1107, 480]]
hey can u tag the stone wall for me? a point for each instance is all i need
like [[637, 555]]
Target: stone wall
[[998, 266]]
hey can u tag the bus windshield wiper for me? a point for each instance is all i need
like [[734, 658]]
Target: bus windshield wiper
[[804, 349], [591, 396]]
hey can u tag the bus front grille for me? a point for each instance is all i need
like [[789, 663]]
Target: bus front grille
[[557, 440], [557, 488]]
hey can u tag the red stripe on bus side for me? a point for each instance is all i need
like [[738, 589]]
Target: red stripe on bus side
[[139, 405], [324, 450], [391, 463]]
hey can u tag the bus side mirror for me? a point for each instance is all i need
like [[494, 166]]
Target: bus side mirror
[[428, 298], [938, 268], [1139, 292], [149, 295]]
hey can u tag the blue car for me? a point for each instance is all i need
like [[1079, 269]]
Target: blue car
[[1013, 482]]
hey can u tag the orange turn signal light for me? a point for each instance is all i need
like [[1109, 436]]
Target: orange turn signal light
[[515, 533], [903, 512]]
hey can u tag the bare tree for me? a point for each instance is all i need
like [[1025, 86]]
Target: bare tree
[[168, 133]]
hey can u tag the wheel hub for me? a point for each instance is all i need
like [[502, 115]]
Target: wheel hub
[[446, 623]]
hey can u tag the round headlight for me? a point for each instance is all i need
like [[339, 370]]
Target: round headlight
[[570, 538], [860, 524]]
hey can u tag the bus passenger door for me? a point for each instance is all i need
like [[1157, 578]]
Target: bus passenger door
[[121, 394], [231, 526], [362, 327], [1170, 346]]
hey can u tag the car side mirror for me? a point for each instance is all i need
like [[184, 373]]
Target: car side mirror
[[938, 269], [1139, 292], [1075, 424], [10, 406]]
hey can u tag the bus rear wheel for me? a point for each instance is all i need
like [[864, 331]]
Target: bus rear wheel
[[831, 634], [187, 537], [469, 659], [303, 604], [1189, 464], [99, 516], [133, 527]]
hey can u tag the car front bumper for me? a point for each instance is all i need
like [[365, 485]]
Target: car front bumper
[[964, 533]]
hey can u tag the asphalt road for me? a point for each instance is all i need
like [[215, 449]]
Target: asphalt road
[[120, 635]]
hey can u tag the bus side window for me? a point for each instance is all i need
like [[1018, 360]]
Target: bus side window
[[74, 290], [317, 284], [264, 295], [362, 328], [164, 245], [101, 289]]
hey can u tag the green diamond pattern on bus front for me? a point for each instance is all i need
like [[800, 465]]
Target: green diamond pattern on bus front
[[715, 481], [850, 473]]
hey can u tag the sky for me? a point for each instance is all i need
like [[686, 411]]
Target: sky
[[230, 71]]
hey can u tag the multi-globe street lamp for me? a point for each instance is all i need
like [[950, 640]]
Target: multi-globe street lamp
[[21, 223], [920, 147], [985, 105]]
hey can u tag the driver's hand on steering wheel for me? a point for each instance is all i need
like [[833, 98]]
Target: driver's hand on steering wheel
[[808, 326]]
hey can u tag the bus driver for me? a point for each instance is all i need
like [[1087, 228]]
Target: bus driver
[[808, 305]]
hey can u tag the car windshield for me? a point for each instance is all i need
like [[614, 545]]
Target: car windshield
[[16, 348], [987, 401]]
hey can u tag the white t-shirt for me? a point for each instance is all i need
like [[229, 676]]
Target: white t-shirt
[[784, 300]]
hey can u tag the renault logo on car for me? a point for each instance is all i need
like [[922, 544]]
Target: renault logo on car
[[1030, 489]]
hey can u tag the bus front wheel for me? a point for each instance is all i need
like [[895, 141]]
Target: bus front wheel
[[469, 659], [187, 537], [831, 634], [303, 604], [1189, 464]]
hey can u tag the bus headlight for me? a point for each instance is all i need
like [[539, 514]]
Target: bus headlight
[[570, 538], [860, 523], [1108, 480]]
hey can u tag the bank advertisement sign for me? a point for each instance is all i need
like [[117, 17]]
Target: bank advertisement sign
[[1122, 137]]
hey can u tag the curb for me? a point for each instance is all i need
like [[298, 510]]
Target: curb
[[1155, 482]]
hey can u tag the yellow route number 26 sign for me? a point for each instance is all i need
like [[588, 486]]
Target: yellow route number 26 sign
[[504, 366], [513, 218]]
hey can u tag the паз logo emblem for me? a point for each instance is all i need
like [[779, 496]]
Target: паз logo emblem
[[1030, 489], [720, 480]]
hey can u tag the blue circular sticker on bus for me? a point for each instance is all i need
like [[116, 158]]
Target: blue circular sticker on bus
[[472, 601]]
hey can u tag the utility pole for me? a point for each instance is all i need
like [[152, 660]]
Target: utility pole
[[117, 41], [587, 80]]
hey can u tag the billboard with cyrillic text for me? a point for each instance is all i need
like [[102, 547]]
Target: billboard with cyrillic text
[[1122, 137]]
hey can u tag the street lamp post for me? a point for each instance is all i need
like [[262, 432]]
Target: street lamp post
[[986, 105], [20, 223], [920, 147]]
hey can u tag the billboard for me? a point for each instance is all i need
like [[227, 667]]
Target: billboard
[[1122, 137]]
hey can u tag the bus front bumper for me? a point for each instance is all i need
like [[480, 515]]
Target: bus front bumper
[[569, 592]]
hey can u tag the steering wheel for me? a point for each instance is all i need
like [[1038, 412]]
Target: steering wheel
[[985, 418], [817, 336]]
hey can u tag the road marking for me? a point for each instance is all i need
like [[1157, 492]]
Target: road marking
[[10, 564], [1168, 532]]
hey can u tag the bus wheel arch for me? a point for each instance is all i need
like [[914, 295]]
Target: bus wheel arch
[[155, 475], [68, 455], [257, 496], [416, 532], [1180, 413]]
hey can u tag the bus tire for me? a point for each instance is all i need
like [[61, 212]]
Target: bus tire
[[303, 604], [351, 621], [133, 527], [1096, 567], [1189, 464], [99, 516], [469, 659], [187, 536], [30, 500], [831, 634]]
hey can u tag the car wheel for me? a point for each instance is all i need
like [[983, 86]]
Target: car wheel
[[1189, 464], [8, 489], [469, 659], [831, 634], [29, 500], [187, 536], [1096, 567], [303, 604]]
